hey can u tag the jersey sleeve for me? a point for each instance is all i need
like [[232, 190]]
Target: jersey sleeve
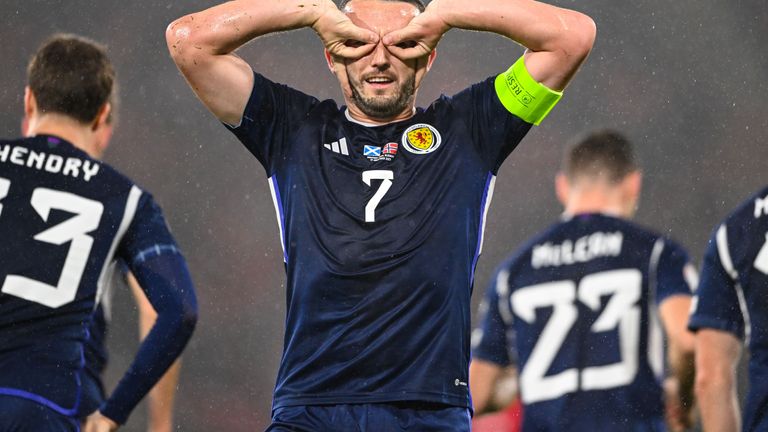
[[272, 113], [147, 235], [675, 274], [150, 252], [495, 131], [489, 340], [716, 303]]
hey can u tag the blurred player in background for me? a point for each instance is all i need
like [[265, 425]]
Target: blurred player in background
[[731, 305], [579, 306], [64, 217], [380, 204], [161, 398]]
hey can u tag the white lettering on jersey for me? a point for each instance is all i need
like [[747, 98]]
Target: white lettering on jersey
[[761, 207], [52, 163], [584, 249]]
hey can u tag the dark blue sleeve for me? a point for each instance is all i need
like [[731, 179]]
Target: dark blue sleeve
[[494, 130], [716, 303], [273, 112], [150, 252], [489, 341], [168, 286], [147, 236], [675, 273]]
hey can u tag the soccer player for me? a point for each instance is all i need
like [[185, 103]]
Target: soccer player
[[380, 204], [64, 217], [581, 308], [730, 306]]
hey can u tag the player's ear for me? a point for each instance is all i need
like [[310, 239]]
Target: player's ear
[[102, 117], [431, 59], [329, 61], [30, 103], [562, 188], [631, 186]]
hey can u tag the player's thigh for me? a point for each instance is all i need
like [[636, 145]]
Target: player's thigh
[[24, 415]]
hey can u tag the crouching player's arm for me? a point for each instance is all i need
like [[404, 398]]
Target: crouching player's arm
[[491, 364], [161, 397], [679, 398], [152, 256]]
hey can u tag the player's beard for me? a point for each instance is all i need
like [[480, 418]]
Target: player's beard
[[388, 106]]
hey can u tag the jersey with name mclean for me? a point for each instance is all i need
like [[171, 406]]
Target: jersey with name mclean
[[64, 217], [381, 228], [576, 310], [732, 295]]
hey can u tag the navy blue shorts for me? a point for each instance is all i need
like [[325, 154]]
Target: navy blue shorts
[[380, 417], [24, 415]]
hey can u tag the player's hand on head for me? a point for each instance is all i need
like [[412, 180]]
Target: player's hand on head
[[98, 422], [419, 38], [341, 37]]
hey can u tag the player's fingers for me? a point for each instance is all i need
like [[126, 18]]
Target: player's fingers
[[350, 31], [351, 49], [409, 51]]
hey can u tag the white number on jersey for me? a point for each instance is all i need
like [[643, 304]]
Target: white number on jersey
[[386, 177], [87, 216], [621, 311], [761, 262]]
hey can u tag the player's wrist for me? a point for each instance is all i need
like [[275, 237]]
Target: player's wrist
[[317, 12]]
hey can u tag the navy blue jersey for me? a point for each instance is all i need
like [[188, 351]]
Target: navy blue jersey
[[575, 309], [381, 228], [64, 218], [732, 295]]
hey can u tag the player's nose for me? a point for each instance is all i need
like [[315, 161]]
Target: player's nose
[[380, 56]]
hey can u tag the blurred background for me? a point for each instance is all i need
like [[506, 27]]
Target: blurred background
[[686, 81]]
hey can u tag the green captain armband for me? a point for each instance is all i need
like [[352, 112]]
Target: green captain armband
[[523, 96]]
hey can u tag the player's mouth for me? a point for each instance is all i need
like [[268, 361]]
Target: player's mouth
[[379, 81]]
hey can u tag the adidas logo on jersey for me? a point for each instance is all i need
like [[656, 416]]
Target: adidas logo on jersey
[[339, 146]]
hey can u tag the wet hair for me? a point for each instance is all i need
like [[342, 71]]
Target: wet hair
[[71, 75], [603, 154], [418, 3]]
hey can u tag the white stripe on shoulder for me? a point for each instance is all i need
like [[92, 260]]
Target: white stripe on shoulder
[[131, 204], [655, 335], [488, 199], [724, 252], [727, 262], [502, 290]]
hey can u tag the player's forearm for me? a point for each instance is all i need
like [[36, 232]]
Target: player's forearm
[[718, 403], [161, 397], [222, 29], [560, 38], [682, 363]]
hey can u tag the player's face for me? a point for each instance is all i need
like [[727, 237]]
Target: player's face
[[381, 85]]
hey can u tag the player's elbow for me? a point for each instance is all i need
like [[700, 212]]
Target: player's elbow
[[180, 38], [576, 37]]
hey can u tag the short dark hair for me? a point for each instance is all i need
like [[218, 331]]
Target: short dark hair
[[605, 154], [71, 75], [418, 3]]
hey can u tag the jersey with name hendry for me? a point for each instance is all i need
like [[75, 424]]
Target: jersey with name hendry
[[64, 217], [576, 310]]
